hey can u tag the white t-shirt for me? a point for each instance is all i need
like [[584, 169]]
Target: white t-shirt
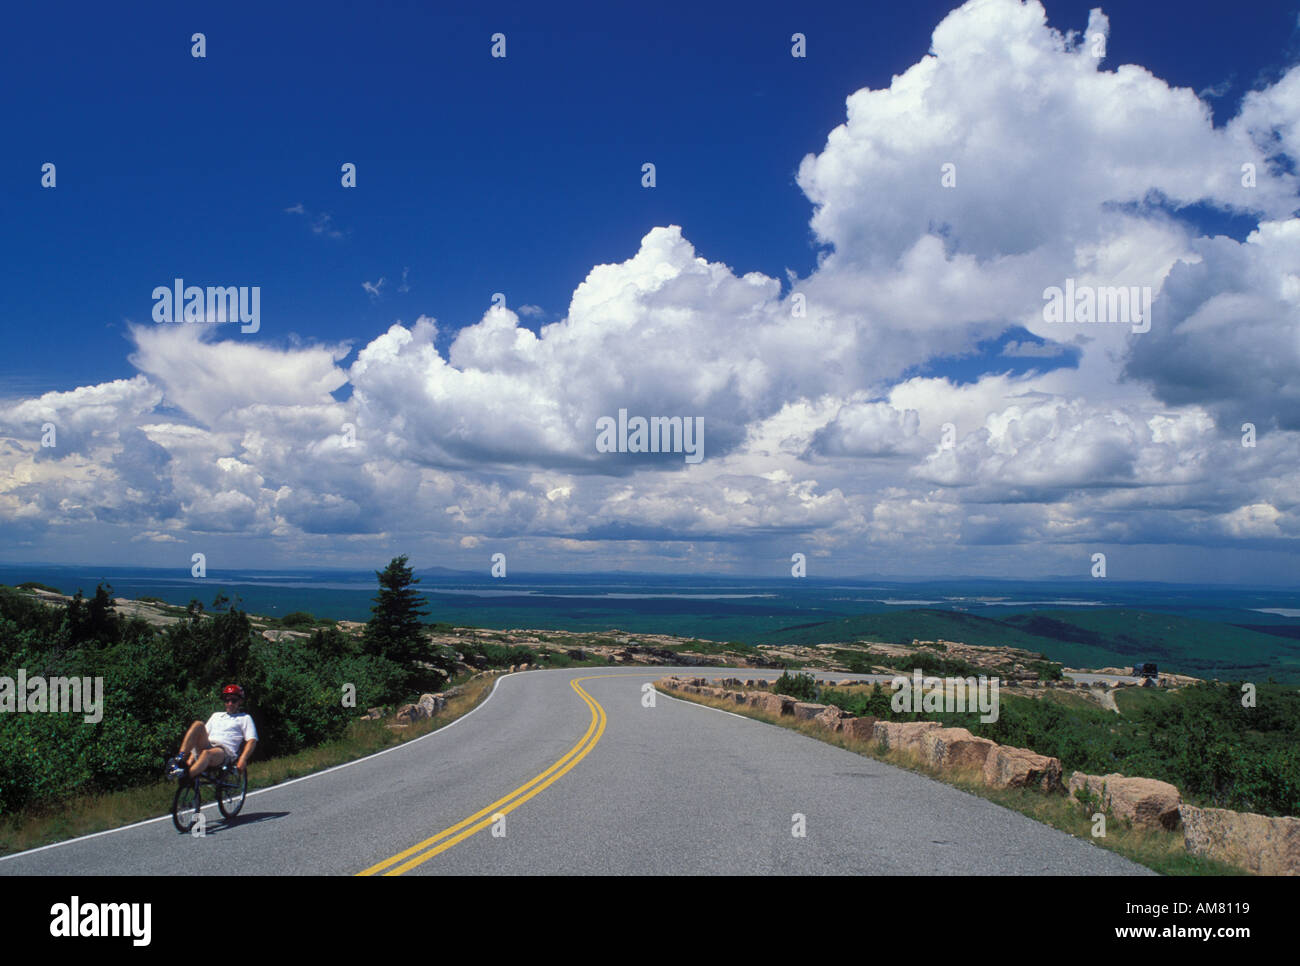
[[231, 730]]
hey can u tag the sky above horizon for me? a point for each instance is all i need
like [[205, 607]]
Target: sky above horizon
[[841, 274]]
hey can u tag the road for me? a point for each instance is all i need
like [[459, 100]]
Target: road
[[567, 772]]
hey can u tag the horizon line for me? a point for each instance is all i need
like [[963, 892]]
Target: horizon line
[[476, 574]]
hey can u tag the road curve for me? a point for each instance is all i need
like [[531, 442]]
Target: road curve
[[566, 771]]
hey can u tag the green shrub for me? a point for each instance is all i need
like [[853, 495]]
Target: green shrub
[[299, 618], [800, 686], [1047, 670], [486, 654], [856, 661], [931, 664], [157, 681]]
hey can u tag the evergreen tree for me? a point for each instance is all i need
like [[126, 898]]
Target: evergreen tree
[[101, 616], [78, 621], [397, 629], [230, 638], [95, 620]]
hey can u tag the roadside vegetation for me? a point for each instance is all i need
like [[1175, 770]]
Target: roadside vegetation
[[1199, 738], [930, 664], [88, 813], [486, 654]]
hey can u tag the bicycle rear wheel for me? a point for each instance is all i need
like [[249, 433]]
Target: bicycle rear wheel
[[232, 789], [186, 806]]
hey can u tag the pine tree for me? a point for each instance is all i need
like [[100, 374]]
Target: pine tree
[[396, 630], [231, 636], [101, 616], [94, 620]]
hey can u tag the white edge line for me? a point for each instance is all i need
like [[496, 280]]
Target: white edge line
[[292, 781]]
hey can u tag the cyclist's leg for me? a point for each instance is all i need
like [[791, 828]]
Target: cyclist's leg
[[200, 753], [212, 757], [195, 740]]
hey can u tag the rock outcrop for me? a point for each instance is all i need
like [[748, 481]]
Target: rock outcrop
[[1257, 843], [806, 711], [902, 734], [860, 729], [425, 708], [955, 748], [1007, 767], [832, 718], [1142, 801], [777, 704]]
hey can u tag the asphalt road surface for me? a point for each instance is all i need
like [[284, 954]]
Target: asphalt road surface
[[566, 771]]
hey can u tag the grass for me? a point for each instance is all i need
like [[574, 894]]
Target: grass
[[96, 813], [1163, 852], [1130, 700], [1068, 699]]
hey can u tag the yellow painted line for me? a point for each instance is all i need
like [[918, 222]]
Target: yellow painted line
[[423, 851]]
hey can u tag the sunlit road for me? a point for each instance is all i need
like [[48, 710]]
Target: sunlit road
[[567, 772]]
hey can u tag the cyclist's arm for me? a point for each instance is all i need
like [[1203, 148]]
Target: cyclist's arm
[[246, 754]]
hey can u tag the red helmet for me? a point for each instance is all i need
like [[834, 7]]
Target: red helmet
[[233, 691]]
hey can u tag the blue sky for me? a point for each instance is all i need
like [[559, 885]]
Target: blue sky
[[476, 175], [519, 175]]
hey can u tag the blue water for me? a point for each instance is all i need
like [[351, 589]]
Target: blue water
[[717, 608]]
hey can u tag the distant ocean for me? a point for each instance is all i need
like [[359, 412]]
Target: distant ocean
[[717, 608]]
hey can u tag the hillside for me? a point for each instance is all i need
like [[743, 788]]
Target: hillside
[[1080, 638]]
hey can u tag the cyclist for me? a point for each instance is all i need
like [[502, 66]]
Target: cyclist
[[217, 742]]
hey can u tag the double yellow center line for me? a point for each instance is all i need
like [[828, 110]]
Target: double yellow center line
[[424, 851]]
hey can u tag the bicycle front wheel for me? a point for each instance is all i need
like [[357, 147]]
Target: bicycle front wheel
[[186, 807], [232, 789]]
